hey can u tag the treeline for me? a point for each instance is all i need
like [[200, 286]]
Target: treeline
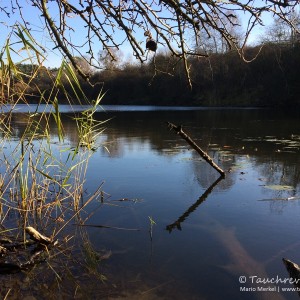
[[272, 79]]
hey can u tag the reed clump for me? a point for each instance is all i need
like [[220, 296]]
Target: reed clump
[[41, 179]]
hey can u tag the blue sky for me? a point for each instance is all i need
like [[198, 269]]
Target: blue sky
[[38, 31], [54, 58]]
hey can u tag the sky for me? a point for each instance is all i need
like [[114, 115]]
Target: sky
[[54, 58], [38, 31]]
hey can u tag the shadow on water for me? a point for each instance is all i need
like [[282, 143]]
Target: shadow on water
[[184, 216]]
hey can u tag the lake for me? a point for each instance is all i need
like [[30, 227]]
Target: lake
[[212, 238]]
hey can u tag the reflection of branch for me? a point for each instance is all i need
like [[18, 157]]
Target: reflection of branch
[[182, 218]]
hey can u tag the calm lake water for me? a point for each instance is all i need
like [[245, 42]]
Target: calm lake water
[[211, 240]]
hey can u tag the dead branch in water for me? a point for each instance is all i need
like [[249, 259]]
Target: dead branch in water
[[204, 155], [11, 252], [36, 236]]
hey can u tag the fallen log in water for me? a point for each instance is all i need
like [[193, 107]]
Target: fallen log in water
[[204, 155], [293, 269], [13, 251], [294, 272], [36, 236]]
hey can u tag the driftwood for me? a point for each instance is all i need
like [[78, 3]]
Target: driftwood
[[12, 251], [204, 155], [36, 236], [38, 255]]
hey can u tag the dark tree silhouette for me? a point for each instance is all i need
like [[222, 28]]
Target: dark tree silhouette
[[174, 24]]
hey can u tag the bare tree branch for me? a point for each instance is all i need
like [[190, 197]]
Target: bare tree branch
[[179, 25]]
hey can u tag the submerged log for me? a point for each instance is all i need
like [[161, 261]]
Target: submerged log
[[16, 251], [36, 236], [294, 270], [204, 155]]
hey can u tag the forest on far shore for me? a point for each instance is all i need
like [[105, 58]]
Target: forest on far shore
[[222, 79]]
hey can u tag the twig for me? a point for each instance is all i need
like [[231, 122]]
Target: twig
[[7, 294], [108, 227], [281, 199]]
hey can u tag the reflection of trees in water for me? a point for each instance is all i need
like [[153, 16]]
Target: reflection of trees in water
[[205, 174], [116, 146], [24, 122], [277, 207], [228, 129], [280, 171]]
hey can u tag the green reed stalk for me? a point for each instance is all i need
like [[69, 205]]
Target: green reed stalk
[[40, 185], [35, 176]]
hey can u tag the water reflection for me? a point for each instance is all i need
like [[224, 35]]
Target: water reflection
[[236, 139], [256, 148], [184, 216]]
